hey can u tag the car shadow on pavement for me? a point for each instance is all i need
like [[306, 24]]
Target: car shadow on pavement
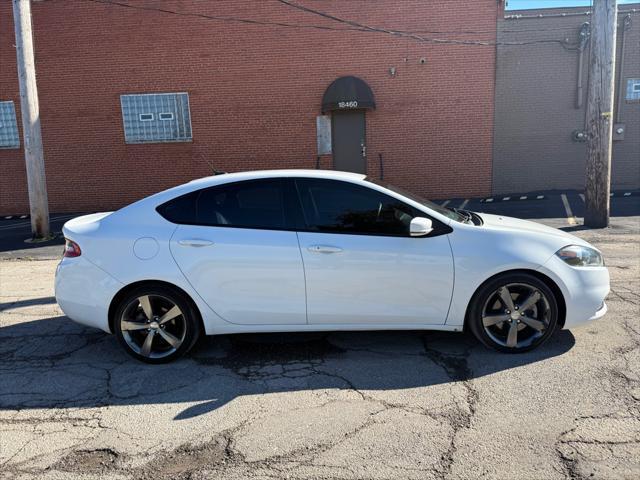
[[55, 363], [27, 302]]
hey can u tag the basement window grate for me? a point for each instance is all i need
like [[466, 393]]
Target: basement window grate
[[9, 136], [156, 117]]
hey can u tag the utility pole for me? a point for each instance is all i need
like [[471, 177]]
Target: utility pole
[[599, 123], [30, 110]]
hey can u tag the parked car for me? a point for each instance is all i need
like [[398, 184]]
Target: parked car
[[299, 251]]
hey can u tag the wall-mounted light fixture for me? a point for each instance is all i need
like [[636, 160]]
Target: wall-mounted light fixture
[[579, 136], [618, 131]]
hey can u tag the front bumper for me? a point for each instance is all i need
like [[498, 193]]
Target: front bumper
[[600, 312], [84, 292], [584, 290]]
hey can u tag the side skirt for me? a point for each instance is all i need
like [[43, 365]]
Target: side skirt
[[231, 328]]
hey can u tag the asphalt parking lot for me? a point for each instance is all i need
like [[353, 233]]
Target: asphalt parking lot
[[380, 405]]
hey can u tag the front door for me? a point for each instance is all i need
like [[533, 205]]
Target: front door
[[362, 266], [349, 141]]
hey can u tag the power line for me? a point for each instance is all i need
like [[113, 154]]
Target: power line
[[214, 17], [413, 34], [278, 24], [433, 32], [369, 28], [351, 26]]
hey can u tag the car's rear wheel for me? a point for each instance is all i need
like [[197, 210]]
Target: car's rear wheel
[[156, 324], [514, 312]]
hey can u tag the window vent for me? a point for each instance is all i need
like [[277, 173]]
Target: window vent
[[156, 117], [9, 136], [633, 90]]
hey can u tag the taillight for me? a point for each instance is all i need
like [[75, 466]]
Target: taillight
[[71, 249]]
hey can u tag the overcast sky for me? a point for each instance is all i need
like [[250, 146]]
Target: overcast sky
[[526, 4]]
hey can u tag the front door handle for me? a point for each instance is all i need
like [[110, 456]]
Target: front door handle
[[195, 242], [324, 249]]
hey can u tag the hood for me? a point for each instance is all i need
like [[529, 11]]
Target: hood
[[516, 225]]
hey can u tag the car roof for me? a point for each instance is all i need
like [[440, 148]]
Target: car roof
[[282, 173], [220, 179], [223, 178]]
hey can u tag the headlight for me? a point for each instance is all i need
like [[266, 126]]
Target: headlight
[[578, 256]]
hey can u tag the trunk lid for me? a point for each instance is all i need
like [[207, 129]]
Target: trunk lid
[[78, 227]]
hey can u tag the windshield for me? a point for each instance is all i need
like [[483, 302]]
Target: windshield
[[423, 201]]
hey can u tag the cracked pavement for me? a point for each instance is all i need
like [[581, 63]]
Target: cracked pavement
[[379, 405]]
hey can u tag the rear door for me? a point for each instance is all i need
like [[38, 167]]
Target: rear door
[[361, 265], [236, 247]]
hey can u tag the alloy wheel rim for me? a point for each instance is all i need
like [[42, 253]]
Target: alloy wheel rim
[[516, 315], [153, 326]]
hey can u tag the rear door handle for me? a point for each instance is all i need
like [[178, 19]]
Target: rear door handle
[[195, 242], [324, 249]]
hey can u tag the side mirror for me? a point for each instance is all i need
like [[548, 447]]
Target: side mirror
[[420, 227]]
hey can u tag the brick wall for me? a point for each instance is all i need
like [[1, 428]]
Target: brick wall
[[254, 93], [536, 111]]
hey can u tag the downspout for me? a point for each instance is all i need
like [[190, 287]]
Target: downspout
[[500, 16], [626, 25], [583, 39]]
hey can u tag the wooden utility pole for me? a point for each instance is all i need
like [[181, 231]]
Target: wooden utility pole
[[30, 110], [599, 123]]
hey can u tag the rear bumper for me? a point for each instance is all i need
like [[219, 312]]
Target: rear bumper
[[84, 292], [584, 290]]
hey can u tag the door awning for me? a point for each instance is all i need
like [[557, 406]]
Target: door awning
[[347, 93]]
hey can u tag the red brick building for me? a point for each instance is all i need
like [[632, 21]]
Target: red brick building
[[255, 74]]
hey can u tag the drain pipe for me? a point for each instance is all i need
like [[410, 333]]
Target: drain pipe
[[583, 38], [626, 25]]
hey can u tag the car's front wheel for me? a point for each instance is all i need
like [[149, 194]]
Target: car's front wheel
[[156, 323], [514, 312]]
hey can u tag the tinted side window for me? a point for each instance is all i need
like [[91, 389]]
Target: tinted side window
[[333, 206], [181, 209], [249, 204]]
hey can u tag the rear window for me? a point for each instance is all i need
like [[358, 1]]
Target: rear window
[[181, 209]]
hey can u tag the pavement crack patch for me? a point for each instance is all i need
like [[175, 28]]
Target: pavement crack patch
[[569, 463], [348, 382], [457, 368], [260, 360], [187, 459], [99, 460], [625, 296], [580, 448]]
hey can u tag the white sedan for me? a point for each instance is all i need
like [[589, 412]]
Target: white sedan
[[299, 251]]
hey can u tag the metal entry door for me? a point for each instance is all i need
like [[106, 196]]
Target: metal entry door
[[349, 141]]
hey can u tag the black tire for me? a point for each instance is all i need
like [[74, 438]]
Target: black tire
[[185, 327], [488, 302]]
